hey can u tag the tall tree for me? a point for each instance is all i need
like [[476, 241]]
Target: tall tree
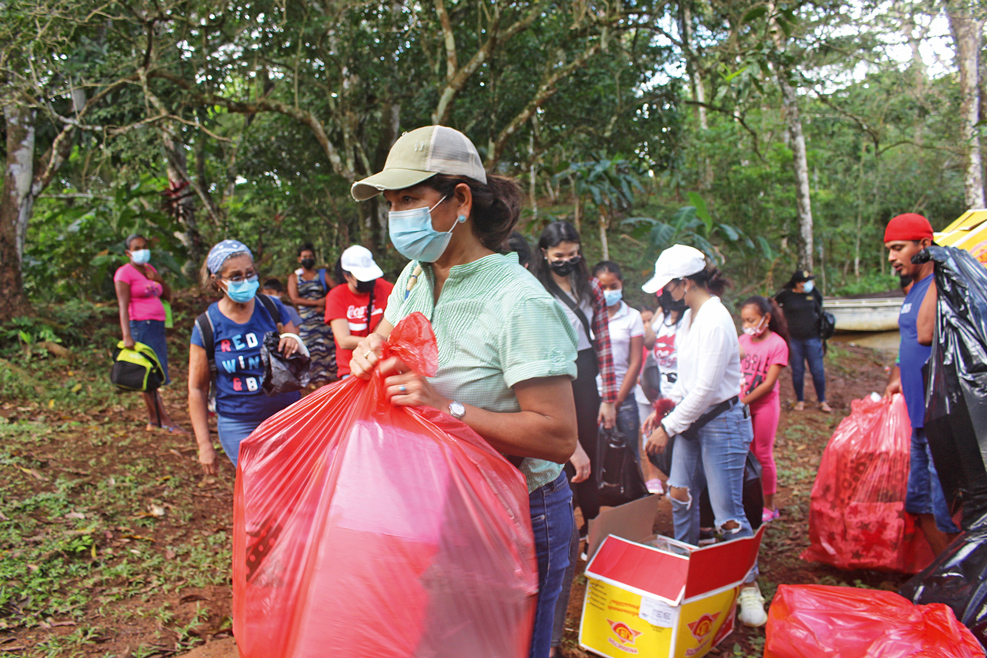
[[966, 22]]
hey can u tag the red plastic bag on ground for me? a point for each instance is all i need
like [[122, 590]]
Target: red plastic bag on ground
[[847, 622], [362, 529], [857, 514]]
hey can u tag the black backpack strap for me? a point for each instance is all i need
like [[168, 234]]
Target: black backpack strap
[[204, 323], [573, 306], [272, 310], [370, 309]]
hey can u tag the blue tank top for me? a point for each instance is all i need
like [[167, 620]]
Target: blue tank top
[[912, 356]]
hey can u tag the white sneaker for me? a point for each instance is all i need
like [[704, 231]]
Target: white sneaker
[[751, 606]]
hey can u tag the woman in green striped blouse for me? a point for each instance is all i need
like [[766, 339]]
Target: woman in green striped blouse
[[506, 351]]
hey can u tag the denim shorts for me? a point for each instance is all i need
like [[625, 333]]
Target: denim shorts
[[925, 494]]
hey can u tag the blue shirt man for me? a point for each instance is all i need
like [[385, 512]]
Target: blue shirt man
[[906, 235]]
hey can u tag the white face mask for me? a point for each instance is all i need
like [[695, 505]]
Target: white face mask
[[140, 256], [809, 285], [759, 329]]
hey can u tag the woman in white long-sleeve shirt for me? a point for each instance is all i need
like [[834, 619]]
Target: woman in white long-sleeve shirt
[[713, 427]]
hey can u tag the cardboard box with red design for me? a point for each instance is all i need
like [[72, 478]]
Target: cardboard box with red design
[[660, 598]]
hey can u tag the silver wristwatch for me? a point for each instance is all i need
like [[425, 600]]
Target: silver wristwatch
[[457, 410]]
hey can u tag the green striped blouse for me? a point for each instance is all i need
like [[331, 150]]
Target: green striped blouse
[[496, 326]]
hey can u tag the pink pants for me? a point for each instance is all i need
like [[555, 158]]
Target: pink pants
[[764, 417]]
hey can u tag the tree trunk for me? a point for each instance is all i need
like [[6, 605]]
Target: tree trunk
[[967, 31], [15, 207], [603, 237], [802, 197], [698, 91]]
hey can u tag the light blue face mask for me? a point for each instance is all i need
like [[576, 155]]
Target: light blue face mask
[[242, 291], [809, 285], [613, 296], [413, 236], [140, 256]]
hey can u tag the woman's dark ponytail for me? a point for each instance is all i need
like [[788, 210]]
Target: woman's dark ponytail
[[496, 205], [712, 279]]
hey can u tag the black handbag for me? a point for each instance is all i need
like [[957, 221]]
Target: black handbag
[[618, 476], [282, 374], [651, 378]]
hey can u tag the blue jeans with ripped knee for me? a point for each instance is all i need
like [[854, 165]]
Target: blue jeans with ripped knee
[[715, 460]]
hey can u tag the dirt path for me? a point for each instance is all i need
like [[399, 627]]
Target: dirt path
[[153, 577]]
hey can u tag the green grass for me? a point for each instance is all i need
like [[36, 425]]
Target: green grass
[[78, 539]]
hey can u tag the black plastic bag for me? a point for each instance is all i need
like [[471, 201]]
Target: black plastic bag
[[956, 380], [958, 578], [282, 374], [618, 476]]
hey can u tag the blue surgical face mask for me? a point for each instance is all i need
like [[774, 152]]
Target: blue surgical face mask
[[140, 256], [613, 296], [413, 236], [242, 291], [809, 285]]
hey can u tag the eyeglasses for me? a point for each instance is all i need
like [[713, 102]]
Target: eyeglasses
[[250, 276]]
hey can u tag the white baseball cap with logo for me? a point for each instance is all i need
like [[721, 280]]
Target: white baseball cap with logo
[[420, 154], [359, 262], [676, 262]]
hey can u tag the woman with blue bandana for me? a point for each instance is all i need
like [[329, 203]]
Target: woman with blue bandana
[[238, 324]]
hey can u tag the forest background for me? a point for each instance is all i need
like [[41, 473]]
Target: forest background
[[770, 134]]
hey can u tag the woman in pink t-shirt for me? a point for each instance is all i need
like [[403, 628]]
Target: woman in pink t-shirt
[[140, 290], [765, 348]]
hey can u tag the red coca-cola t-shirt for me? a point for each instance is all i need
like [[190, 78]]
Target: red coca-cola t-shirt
[[341, 302]]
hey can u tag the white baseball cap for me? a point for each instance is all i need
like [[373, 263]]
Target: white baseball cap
[[359, 262], [677, 261]]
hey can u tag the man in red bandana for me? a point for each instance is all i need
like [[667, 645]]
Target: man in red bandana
[[905, 236]]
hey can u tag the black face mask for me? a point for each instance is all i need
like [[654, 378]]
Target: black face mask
[[564, 267], [670, 305], [365, 286], [308, 263]]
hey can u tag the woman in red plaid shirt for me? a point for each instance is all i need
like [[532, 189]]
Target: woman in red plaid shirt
[[561, 268]]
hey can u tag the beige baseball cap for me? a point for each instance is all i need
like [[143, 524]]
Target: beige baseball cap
[[420, 154]]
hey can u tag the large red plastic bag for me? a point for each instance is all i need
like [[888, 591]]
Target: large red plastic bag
[[362, 529], [857, 516], [847, 622]]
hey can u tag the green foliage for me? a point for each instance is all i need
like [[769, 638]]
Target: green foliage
[[76, 247]]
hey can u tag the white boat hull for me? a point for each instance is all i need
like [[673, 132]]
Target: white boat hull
[[880, 314]]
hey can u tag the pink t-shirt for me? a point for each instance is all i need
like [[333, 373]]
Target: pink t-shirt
[[145, 295], [757, 361]]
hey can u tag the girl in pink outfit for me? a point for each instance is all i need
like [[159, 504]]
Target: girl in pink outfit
[[765, 348]]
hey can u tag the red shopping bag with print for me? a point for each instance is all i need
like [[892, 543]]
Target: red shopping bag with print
[[857, 516], [849, 622], [363, 529]]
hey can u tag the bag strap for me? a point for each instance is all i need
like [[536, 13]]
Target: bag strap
[[573, 306], [206, 330], [370, 309], [322, 280], [272, 310]]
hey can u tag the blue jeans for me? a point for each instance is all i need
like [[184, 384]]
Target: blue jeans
[[552, 522], [232, 431], [715, 460], [924, 494], [629, 423], [152, 334], [799, 351]]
